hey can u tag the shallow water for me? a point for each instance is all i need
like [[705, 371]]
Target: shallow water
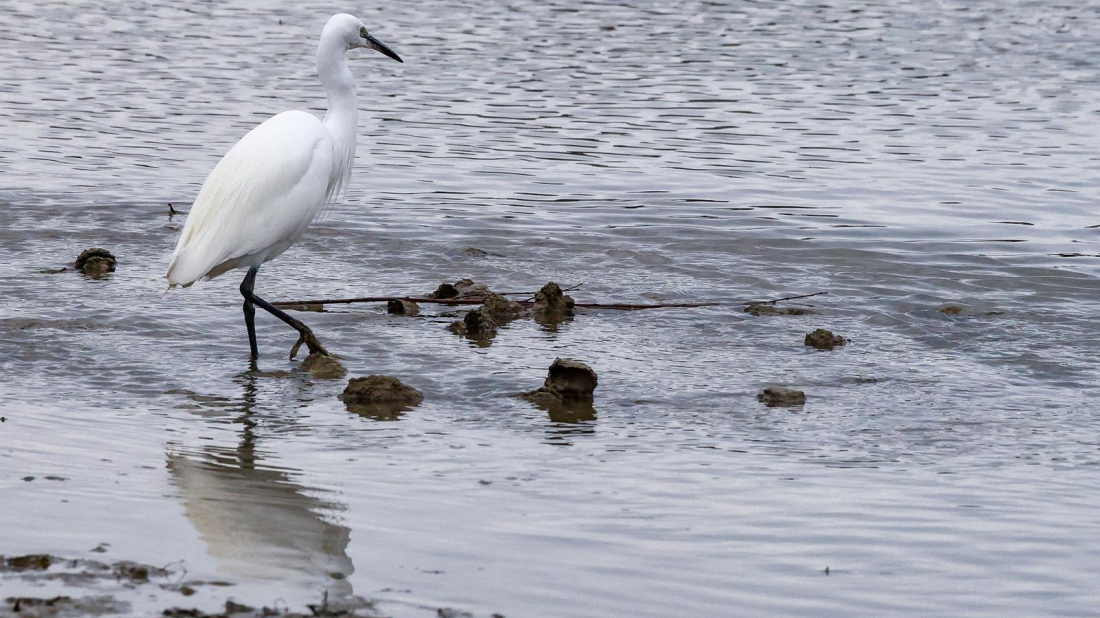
[[902, 156]]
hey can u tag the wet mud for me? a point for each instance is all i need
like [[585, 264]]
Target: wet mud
[[96, 262], [324, 367], [552, 305], [766, 309], [781, 397], [822, 339], [402, 307], [567, 393], [380, 397]]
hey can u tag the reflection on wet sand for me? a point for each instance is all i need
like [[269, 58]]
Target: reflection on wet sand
[[255, 519]]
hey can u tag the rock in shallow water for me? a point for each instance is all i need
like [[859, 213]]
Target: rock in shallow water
[[781, 396], [567, 381], [761, 309], [324, 367], [551, 305], [573, 380], [824, 340], [476, 325], [380, 390], [502, 310], [567, 392], [443, 292], [402, 307], [95, 262], [29, 562], [461, 289]]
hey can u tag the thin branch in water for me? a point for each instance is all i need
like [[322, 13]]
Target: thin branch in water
[[633, 306], [477, 300], [776, 300]]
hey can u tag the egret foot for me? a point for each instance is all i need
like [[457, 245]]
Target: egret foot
[[306, 336]]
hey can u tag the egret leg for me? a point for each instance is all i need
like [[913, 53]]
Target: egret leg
[[305, 335], [250, 309]]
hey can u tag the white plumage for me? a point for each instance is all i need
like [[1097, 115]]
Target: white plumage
[[259, 199], [271, 185]]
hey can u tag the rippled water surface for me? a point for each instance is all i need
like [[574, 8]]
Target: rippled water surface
[[903, 156]]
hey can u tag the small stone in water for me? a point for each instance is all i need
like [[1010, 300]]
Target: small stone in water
[[30, 562], [502, 310], [475, 325], [469, 287], [402, 307], [443, 292], [761, 309], [324, 367], [781, 396], [95, 262], [567, 381], [461, 289], [551, 305], [573, 380], [380, 389], [824, 340]]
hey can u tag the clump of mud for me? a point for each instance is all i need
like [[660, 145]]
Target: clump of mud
[[324, 367], [501, 310], [443, 292], [765, 309], [29, 562], [567, 392], [824, 340], [469, 287], [567, 381], [476, 325], [63, 605], [463, 288], [402, 307], [96, 262], [380, 397], [551, 304], [42, 570], [350, 607], [781, 396]]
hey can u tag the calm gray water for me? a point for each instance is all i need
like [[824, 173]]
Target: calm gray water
[[903, 156]]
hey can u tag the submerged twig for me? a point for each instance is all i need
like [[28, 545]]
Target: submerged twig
[[527, 302], [776, 300], [475, 301]]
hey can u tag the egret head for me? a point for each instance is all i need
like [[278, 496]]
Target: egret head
[[354, 34]]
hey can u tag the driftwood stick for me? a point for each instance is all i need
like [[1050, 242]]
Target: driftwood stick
[[631, 306], [383, 299], [527, 302], [477, 301], [772, 302]]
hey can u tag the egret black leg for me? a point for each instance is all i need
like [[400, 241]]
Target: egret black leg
[[250, 309], [305, 335]]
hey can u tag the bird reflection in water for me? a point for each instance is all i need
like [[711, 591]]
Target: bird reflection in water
[[255, 519]]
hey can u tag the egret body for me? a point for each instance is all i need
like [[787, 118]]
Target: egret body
[[271, 185]]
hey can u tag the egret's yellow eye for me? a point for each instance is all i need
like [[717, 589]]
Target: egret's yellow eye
[[363, 32]]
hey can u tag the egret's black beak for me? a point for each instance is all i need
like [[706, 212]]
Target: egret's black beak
[[379, 46]]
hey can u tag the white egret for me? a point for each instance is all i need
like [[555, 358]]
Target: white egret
[[271, 185]]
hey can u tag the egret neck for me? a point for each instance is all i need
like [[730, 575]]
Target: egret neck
[[341, 119]]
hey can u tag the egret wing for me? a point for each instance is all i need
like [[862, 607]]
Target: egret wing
[[258, 200]]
